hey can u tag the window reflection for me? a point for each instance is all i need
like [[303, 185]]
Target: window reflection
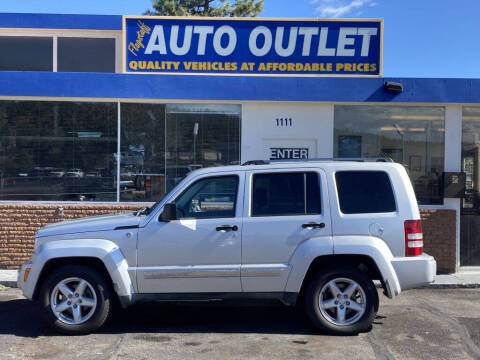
[[142, 152], [86, 54], [57, 150], [209, 198], [161, 144], [412, 136], [199, 136], [26, 53]]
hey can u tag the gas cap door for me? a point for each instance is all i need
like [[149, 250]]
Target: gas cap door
[[376, 229]]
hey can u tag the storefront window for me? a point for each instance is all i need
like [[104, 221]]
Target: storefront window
[[86, 55], [200, 135], [23, 53], [161, 144], [142, 165], [470, 211], [410, 135], [57, 150]]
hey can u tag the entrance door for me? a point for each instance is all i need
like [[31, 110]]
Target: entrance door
[[198, 136], [470, 211]]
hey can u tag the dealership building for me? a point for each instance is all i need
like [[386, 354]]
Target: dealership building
[[101, 114]]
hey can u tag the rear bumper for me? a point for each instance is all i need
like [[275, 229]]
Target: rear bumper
[[415, 271]]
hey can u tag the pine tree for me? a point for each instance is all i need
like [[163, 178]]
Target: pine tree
[[226, 8]]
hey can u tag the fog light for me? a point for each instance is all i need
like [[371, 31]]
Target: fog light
[[25, 274]]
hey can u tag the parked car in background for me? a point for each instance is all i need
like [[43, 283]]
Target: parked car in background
[[56, 173], [75, 173]]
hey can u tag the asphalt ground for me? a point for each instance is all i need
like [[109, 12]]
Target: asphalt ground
[[420, 324]]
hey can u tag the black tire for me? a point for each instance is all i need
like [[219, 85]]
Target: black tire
[[104, 300], [321, 320]]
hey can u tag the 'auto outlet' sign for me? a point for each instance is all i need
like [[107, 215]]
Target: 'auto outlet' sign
[[252, 46]]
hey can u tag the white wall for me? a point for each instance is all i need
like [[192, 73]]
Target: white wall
[[312, 126], [453, 159]]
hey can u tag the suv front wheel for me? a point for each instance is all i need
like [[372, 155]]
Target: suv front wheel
[[341, 301], [75, 299]]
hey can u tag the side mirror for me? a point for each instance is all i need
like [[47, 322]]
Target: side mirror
[[169, 213]]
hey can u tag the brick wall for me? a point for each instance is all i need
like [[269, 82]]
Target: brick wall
[[439, 231], [18, 223]]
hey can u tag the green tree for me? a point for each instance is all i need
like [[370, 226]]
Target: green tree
[[226, 8]]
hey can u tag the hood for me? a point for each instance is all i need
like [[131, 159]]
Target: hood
[[89, 224]]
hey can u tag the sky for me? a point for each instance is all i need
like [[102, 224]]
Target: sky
[[422, 38]]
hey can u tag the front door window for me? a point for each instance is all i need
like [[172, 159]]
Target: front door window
[[209, 198]]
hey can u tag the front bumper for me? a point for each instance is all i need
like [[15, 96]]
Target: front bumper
[[28, 286], [415, 271]]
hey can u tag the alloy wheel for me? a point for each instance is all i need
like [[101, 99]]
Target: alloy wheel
[[342, 301], [73, 301]]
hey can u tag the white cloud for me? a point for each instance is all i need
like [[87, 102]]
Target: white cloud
[[338, 8]]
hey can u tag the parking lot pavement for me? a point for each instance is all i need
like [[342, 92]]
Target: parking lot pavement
[[420, 324]]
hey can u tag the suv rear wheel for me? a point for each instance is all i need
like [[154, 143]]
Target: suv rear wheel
[[75, 299], [341, 301]]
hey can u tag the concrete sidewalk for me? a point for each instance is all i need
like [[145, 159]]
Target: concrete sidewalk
[[8, 278], [461, 279]]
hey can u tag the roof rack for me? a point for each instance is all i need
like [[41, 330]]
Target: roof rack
[[359, 159]]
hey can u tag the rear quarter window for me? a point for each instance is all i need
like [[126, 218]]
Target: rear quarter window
[[363, 192]]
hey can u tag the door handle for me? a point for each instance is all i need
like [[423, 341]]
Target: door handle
[[314, 225], [227, 228]]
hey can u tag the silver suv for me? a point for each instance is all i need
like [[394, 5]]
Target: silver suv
[[313, 233]]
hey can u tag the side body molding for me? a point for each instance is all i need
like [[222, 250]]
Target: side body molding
[[377, 250], [106, 251]]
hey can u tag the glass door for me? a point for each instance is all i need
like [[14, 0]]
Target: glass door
[[200, 135], [470, 210]]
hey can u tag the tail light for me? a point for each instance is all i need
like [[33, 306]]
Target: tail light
[[413, 238]]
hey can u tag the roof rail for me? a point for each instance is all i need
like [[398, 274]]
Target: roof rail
[[256, 162], [359, 159]]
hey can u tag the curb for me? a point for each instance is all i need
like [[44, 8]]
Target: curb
[[8, 283], [444, 286], [451, 286]]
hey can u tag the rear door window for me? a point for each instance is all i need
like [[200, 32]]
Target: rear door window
[[281, 194], [362, 192]]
